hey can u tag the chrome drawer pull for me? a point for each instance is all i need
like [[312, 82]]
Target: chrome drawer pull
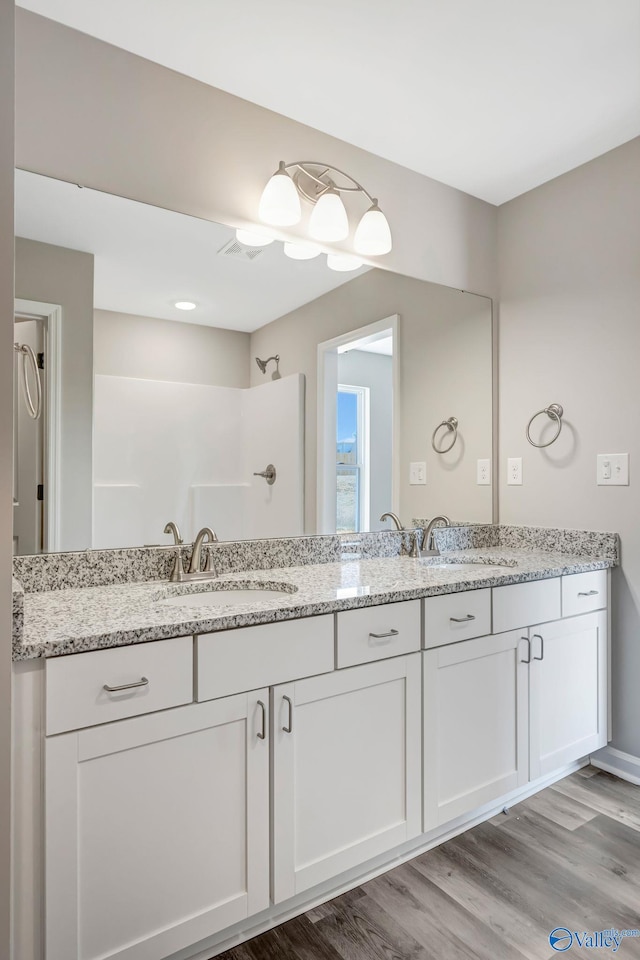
[[263, 732], [528, 642], [383, 636], [589, 593], [143, 682], [289, 728], [541, 639], [466, 619]]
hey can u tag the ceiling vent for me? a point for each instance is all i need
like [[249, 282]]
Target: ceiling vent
[[239, 251]]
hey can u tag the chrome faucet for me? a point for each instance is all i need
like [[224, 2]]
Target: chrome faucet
[[179, 574], [393, 517], [206, 534], [173, 528], [428, 548]]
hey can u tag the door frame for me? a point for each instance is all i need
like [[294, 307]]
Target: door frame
[[51, 314], [326, 418]]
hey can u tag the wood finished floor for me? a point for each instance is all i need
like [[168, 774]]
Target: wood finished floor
[[569, 856]]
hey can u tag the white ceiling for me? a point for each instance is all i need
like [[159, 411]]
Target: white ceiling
[[493, 97], [146, 258]]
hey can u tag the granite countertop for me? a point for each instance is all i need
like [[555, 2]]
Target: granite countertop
[[69, 621]]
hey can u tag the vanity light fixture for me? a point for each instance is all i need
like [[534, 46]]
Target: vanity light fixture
[[185, 305], [322, 185], [343, 262], [251, 239]]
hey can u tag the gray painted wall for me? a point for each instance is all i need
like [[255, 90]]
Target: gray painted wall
[[6, 447], [65, 277], [445, 370], [119, 123], [126, 345], [357, 368], [570, 333]]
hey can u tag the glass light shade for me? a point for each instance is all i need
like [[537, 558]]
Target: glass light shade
[[343, 262], [329, 219], [251, 239], [302, 251], [280, 203], [373, 236]]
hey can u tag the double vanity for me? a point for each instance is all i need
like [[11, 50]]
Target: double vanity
[[220, 756]]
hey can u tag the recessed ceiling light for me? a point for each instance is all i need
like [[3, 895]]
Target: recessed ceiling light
[[301, 251], [343, 262], [184, 305], [252, 239]]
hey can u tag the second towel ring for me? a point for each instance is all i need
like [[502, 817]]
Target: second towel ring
[[452, 425], [555, 412]]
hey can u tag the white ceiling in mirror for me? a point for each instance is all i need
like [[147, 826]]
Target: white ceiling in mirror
[[147, 258], [493, 98]]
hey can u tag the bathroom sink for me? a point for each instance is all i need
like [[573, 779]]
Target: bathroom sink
[[226, 594]]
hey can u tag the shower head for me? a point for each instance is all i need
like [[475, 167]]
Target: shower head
[[262, 364]]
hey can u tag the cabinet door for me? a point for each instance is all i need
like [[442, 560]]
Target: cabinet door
[[475, 724], [157, 830], [347, 771], [568, 690]]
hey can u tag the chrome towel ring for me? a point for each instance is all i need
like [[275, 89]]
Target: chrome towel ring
[[555, 412], [33, 409], [452, 425]]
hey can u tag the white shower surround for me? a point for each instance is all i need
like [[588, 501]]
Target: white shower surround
[[187, 452]]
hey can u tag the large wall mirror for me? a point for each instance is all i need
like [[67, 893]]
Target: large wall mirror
[[292, 398]]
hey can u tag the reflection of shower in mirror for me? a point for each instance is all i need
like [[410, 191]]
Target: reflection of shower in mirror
[[262, 364]]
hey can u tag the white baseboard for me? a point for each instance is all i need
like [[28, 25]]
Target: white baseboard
[[623, 765]]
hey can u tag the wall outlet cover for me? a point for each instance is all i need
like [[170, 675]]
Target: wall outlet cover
[[514, 471], [612, 470], [417, 473], [484, 473]]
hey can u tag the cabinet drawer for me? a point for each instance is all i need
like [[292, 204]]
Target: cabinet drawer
[[456, 616], [375, 633], [525, 604], [162, 672], [232, 661], [583, 592]]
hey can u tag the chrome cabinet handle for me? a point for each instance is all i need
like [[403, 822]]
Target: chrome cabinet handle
[[142, 682], [528, 642], [263, 733], [466, 619], [384, 636], [589, 593], [541, 639], [289, 728]]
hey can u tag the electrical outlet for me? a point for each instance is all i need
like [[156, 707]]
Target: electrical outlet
[[484, 473], [514, 471], [613, 470], [417, 474]]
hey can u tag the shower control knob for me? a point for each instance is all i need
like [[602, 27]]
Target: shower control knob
[[269, 474]]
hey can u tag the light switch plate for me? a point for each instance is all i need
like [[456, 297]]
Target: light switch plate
[[612, 470], [514, 471], [484, 473], [417, 474]]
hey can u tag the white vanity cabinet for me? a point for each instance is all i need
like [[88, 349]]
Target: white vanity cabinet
[[514, 706], [476, 704], [567, 690], [157, 830], [346, 770]]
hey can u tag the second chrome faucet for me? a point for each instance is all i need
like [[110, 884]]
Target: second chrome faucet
[[196, 571]]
